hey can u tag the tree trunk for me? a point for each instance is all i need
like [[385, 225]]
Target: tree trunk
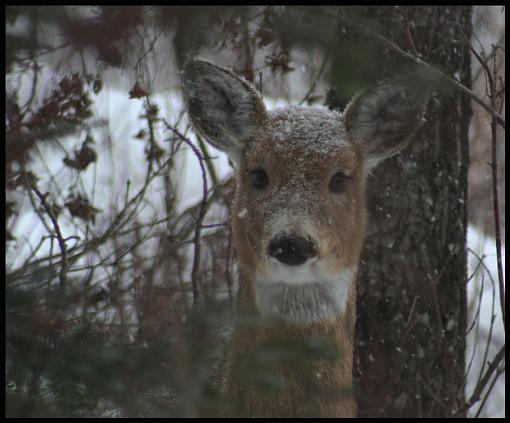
[[411, 326]]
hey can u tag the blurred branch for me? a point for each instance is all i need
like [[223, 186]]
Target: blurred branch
[[392, 46]]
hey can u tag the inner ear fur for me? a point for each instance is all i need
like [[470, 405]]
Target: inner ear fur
[[224, 108], [384, 118]]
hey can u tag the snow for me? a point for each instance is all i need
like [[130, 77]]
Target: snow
[[479, 338]]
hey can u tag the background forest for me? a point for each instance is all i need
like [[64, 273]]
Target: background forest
[[120, 275]]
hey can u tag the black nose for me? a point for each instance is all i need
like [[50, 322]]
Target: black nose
[[292, 250]]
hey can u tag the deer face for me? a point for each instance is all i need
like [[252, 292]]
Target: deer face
[[299, 211], [300, 188]]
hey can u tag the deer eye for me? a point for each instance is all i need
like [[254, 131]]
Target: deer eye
[[259, 178], [338, 182]]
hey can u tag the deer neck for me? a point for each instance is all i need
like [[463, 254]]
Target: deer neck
[[279, 368]]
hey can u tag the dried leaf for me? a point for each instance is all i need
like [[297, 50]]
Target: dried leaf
[[82, 159], [25, 179], [281, 63], [97, 86], [333, 101], [56, 209], [9, 236], [10, 209], [154, 152], [137, 91], [80, 207], [142, 133]]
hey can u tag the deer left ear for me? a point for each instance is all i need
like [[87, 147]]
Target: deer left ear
[[384, 119], [225, 109]]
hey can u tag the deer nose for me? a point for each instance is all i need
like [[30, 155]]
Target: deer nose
[[292, 250]]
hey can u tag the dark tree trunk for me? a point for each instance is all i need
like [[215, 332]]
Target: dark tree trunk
[[411, 326]]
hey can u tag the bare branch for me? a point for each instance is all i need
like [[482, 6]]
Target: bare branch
[[493, 95], [201, 213], [477, 393], [60, 238]]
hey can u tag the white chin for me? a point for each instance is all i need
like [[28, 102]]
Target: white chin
[[302, 295]]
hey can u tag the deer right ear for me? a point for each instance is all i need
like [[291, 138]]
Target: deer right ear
[[225, 109], [384, 119]]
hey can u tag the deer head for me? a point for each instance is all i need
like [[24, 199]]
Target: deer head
[[299, 212]]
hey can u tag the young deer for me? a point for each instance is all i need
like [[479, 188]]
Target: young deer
[[298, 222]]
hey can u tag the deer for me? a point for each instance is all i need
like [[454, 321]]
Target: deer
[[298, 222]]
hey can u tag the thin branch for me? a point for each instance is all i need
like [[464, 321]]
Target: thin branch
[[487, 394], [495, 49], [215, 225], [27, 105], [316, 79], [491, 79], [60, 238], [201, 213], [495, 194], [441, 331], [477, 393]]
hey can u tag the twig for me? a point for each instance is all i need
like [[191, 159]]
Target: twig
[[490, 56], [316, 79], [477, 320], [60, 238], [475, 323], [441, 331], [486, 397], [475, 396], [411, 321], [27, 105], [206, 157], [409, 35], [201, 213], [227, 269], [214, 225], [491, 330], [495, 194], [492, 78]]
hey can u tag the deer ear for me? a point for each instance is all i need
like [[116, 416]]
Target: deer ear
[[384, 119], [225, 109]]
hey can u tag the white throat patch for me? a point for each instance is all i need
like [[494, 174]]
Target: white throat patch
[[304, 303]]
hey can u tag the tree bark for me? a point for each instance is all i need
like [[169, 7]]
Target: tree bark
[[411, 325]]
